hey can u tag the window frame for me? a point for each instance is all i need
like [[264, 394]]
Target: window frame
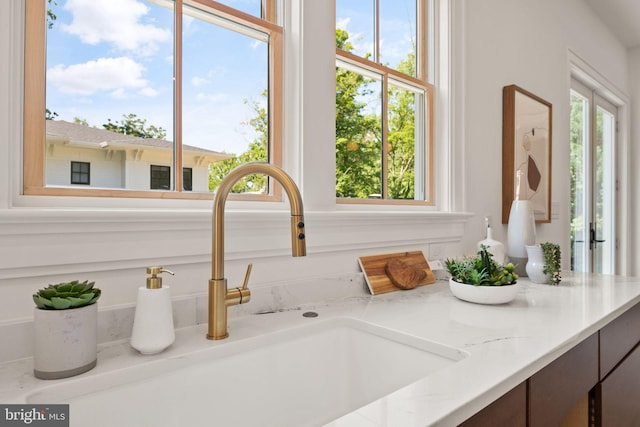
[[255, 230], [154, 171], [423, 82], [187, 172], [80, 173], [34, 124]]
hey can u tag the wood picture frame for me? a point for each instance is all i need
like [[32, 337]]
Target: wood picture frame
[[526, 146]]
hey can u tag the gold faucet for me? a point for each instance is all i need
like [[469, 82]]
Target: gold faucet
[[219, 296]]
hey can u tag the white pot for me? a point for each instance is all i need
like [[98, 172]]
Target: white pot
[[484, 294], [66, 342], [535, 265]]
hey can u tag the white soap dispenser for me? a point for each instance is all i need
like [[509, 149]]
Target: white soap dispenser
[[493, 246], [153, 322]]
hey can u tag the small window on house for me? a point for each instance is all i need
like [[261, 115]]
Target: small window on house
[[187, 179], [160, 177], [81, 173]]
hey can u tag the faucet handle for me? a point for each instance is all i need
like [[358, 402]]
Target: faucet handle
[[245, 283], [239, 295]]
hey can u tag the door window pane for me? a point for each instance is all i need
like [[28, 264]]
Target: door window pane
[[604, 192], [578, 171]]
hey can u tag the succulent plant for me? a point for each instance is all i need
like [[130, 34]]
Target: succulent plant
[[66, 295], [481, 270]]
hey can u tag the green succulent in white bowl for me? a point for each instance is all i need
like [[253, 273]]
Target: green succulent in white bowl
[[481, 270]]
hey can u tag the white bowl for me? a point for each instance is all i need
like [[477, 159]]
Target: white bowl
[[484, 294]]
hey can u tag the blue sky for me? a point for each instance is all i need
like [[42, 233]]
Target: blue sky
[[397, 28], [115, 57]]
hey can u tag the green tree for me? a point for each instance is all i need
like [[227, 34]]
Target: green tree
[[401, 139], [576, 173], [257, 151], [358, 133], [51, 16], [133, 125], [50, 115]]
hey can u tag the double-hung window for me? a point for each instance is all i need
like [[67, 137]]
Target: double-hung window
[[384, 102], [129, 84]]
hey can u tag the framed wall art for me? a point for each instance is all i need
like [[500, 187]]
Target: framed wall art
[[526, 147]]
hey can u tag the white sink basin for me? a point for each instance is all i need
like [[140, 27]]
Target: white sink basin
[[303, 376]]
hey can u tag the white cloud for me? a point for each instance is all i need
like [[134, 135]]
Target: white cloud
[[117, 76], [148, 91], [212, 97], [117, 22], [199, 81], [343, 23]]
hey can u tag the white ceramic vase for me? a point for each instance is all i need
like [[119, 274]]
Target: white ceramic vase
[[521, 231], [535, 265], [66, 342], [494, 247]]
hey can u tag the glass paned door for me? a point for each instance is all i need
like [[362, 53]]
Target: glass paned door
[[593, 181]]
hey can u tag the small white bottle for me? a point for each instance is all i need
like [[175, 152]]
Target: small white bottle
[[153, 322], [493, 246]]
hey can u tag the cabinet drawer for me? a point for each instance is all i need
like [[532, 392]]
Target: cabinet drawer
[[618, 338], [558, 387], [509, 410], [617, 396]]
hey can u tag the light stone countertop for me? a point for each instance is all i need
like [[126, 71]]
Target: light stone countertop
[[505, 344]]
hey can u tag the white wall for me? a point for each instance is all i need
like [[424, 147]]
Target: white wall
[[105, 172], [634, 83], [45, 240], [527, 43]]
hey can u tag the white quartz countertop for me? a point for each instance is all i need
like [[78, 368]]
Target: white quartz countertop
[[505, 344]]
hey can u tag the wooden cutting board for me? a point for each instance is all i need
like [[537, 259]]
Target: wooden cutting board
[[378, 281]]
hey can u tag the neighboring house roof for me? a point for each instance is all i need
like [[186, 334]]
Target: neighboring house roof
[[77, 134]]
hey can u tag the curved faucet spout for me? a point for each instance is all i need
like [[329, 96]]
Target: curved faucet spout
[[219, 297]]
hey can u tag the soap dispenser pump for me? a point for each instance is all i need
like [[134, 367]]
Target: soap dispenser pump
[[153, 322]]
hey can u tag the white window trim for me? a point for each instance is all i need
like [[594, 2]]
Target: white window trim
[[79, 234]]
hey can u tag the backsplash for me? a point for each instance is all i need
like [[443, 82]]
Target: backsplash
[[116, 323]]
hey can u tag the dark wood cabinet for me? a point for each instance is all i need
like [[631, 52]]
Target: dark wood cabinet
[[509, 410], [595, 384], [618, 338], [558, 387], [617, 396]]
